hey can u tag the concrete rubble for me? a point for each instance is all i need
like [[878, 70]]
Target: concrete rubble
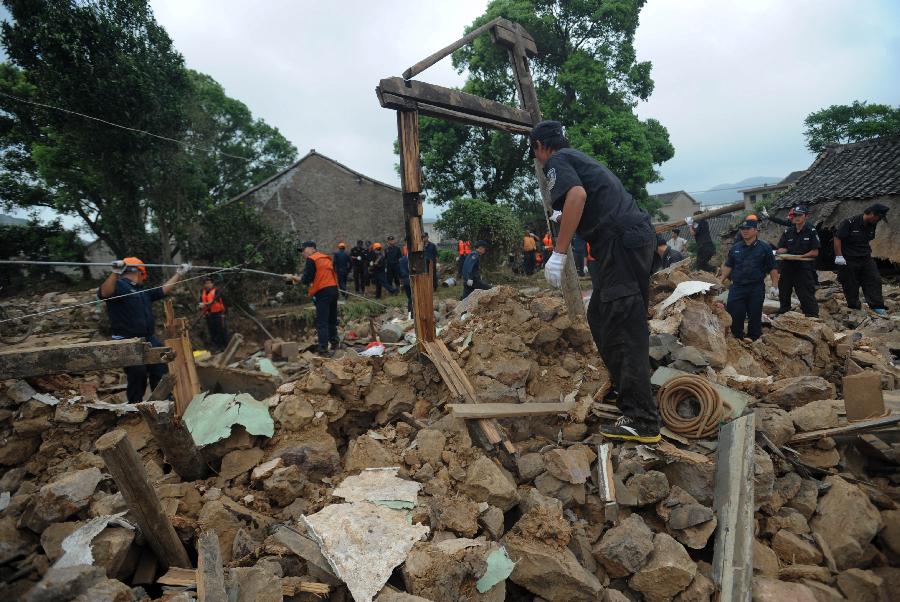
[[353, 477]]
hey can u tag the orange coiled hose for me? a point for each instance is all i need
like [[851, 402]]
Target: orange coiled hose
[[686, 388]]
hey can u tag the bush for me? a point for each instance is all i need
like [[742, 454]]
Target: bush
[[473, 219], [38, 242]]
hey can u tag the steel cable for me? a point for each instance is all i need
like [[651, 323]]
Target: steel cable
[[691, 388]]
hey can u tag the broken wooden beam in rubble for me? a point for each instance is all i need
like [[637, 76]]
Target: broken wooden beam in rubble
[[509, 410], [80, 357], [733, 504], [854, 427], [290, 586], [173, 436], [210, 574], [144, 507]]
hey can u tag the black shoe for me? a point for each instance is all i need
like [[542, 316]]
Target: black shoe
[[626, 429], [335, 344], [323, 352], [612, 396]]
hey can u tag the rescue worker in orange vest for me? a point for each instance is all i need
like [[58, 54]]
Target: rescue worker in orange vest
[[214, 309], [548, 245], [320, 277], [529, 250], [463, 248]]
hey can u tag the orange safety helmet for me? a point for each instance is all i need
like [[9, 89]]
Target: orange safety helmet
[[138, 266], [753, 217], [342, 245], [377, 246]]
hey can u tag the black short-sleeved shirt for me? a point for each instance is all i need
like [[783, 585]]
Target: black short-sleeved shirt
[[750, 264], [701, 234], [855, 235], [393, 254], [800, 243], [608, 203], [132, 316]]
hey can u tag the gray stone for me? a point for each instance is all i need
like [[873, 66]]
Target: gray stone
[[625, 548], [668, 571], [776, 423], [285, 485], [530, 466], [253, 584], [531, 497], [696, 479], [649, 487], [293, 412], [797, 391], [492, 520], [847, 521], [20, 391], [390, 333], [108, 590], [59, 499], [806, 500], [487, 482], [816, 415], [701, 589], [65, 583], [14, 542], [690, 515]]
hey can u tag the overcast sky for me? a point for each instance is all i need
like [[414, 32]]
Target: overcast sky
[[734, 80]]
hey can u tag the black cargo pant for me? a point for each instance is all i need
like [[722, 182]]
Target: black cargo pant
[[704, 254], [359, 279], [325, 301], [619, 325], [861, 272], [529, 262], [137, 376], [393, 274], [216, 324], [745, 305], [796, 276]]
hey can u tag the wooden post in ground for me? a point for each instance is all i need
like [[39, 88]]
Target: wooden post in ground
[[411, 179], [514, 37], [187, 385], [128, 472], [171, 434], [210, 573]]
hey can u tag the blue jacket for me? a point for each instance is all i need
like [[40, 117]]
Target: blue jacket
[[341, 262], [403, 270], [750, 264]]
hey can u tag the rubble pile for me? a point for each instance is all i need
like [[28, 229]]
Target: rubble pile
[[369, 488]]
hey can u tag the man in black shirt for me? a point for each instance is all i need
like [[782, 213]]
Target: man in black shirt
[[341, 261], [803, 240], [358, 266], [705, 247], [130, 310], [747, 264], [665, 255], [596, 206], [853, 256], [471, 273], [392, 254]]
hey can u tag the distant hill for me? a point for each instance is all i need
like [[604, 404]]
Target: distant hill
[[724, 193], [8, 220]]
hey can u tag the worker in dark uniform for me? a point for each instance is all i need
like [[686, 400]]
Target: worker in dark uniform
[[213, 308], [665, 255], [341, 262], [579, 250], [368, 258], [597, 207], [359, 266], [392, 254], [705, 247], [747, 264], [471, 274], [803, 240], [320, 277], [378, 269], [431, 257], [403, 269], [853, 256], [529, 249], [130, 314], [778, 220]]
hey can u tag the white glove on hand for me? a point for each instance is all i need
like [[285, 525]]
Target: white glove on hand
[[470, 283], [773, 292], [689, 220], [183, 269], [839, 260], [554, 269], [555, 216], [118, 266], [765, 212]]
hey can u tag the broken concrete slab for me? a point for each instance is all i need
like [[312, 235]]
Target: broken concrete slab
[[59, 499], [380, 486], [846, 538]]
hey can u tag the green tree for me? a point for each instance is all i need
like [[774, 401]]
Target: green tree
[[842, 124], [475, 219], [587, 76], [40, 242]]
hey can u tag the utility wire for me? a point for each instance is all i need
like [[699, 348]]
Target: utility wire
[[125, 127]]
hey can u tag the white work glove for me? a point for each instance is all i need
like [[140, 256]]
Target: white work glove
[[839, 260], [183, 269], [765, 212], [773, 292], [118, 266], [555, 216], [554, 269], [289, 278], [470, 283], [689, 220]]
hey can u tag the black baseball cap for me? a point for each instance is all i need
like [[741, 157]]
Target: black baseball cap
[[750, 223], [390, 237], [801, 209], [879, 210], [481, 243], [308, 243], [543, 131]]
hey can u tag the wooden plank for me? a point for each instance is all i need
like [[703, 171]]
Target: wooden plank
[[145, 573], [224, 358], [706, 215], [80, 357], [509, 410], [733, 504], [448, 98], [505, 34], [865, 425], [173, 438], [290, 586], [391, 101], [130, 476], [423, 306], [606, 483], [449, 49], [210, 574], [179, 577]]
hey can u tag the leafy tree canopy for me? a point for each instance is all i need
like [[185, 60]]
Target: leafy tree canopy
[[40, 242], [842, 124], [476, 219], [587, 76]]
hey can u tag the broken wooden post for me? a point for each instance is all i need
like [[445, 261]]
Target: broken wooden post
[[131, 478], [187, 385], [660, 228], [172, 435], [514, 37], [224, 358], [733, 504], [210, 573], [411, 181], [81, 357]]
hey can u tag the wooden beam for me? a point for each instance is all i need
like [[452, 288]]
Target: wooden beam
[[508, 410], [506, 33], [449, 49], [234, 380], [130, 477], [173, 438], [705, 215], [606, 484], [854, 427], [733, 504], [210, 574], [290, 586], [224, 358], [391, 101], [448, 98], [80, 357]]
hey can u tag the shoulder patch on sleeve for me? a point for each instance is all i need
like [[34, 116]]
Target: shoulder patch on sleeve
[[551, 178]]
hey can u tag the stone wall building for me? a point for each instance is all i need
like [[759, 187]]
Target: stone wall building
[[319, 199], [677, 205]]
